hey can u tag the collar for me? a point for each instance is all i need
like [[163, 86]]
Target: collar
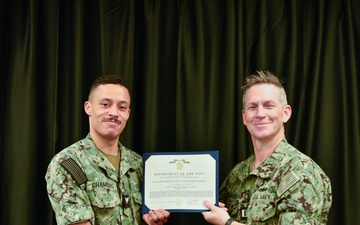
[[95, 156], [270, 165]]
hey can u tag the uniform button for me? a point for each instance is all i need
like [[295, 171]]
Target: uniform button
[[71, 214]]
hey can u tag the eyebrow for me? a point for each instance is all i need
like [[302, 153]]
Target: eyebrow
[[269, 101], [108, 99], [261, 102]]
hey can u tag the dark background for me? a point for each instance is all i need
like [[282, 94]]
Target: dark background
[[184, 61]]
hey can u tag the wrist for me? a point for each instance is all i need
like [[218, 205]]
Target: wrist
[[229, 221]]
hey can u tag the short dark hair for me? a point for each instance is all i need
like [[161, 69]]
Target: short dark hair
[[108, 79]]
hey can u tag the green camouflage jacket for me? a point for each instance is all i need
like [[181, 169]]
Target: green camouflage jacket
[[107, 198], [288, 188]]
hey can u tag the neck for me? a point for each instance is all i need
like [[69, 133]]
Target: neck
[[264, 148], [109, 146]]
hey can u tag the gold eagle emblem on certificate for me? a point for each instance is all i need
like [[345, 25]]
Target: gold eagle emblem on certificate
[[179, 163]]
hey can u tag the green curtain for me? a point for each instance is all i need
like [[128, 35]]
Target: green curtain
[[184, 61]]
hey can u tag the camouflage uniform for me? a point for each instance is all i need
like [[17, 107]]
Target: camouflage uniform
[[288, 188], [107, 197]]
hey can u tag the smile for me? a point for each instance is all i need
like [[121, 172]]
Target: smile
[[261, 124], [112, 120]]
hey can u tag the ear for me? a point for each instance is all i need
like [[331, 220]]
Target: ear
[[287, 113], [87, 108], [243, 116]]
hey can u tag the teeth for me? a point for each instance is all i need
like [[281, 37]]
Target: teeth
[[113, 120]]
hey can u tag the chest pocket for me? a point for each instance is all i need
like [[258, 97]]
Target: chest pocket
[[103, 193], [262, 206], [133, 203]]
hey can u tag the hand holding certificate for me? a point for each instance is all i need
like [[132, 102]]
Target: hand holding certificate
[[180, 181]]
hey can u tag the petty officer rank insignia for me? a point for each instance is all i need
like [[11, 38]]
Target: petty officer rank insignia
[[126, 201]]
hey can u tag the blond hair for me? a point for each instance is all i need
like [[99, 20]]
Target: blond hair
[[264, 77]]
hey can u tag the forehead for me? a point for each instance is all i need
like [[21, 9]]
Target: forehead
[[113, 92], [261, 93]]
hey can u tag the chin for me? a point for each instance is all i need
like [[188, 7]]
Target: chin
[[261, 135], [111, 136]]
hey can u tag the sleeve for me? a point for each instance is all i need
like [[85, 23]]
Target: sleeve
[[69, 201], [234, 178], [305, 195], [223, 191], [231, 193]]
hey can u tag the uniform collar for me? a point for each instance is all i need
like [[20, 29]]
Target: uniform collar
[[96, 157], [270, 165]]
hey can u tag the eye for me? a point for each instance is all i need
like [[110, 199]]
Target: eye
[[269, 106], [123, 108], [105, 104], [252, 107]]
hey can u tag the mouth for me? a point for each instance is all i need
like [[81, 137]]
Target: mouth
[[261, 124], [112, 120]]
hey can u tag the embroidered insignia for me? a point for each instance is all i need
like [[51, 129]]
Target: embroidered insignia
[[74, 169], [289, 180]]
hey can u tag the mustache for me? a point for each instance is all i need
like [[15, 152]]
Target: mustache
[[111, 119]]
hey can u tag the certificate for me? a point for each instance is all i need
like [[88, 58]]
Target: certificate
[[180, 181]]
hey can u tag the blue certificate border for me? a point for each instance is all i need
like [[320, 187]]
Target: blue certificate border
[[214, 154]]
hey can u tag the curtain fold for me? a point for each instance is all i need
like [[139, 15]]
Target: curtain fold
[[184, 62]]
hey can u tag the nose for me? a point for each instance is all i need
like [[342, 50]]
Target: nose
[[260, 112], [113, 111]]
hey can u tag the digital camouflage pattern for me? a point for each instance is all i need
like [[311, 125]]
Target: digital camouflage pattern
[[288, 188], [107, 198]]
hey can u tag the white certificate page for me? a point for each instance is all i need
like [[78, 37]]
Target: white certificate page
[[180, 182]]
